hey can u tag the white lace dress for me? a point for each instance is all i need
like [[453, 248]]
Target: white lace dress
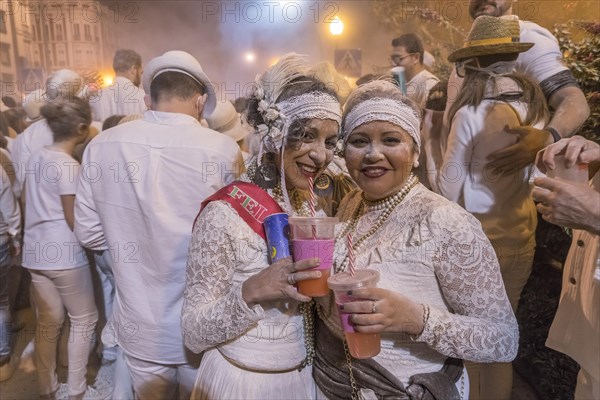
[[249, 353], [435, 253]]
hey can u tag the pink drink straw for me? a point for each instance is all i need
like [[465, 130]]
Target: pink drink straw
[[350, 255]]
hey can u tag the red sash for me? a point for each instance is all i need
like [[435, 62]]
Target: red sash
[[250, 201]]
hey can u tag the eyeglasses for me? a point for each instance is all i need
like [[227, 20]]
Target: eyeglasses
[[396, 59], [461, 66]]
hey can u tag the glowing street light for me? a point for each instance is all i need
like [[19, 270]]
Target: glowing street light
[[336, 27], [250, 57], [108, 80]]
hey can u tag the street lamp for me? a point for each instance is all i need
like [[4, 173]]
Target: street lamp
[[250, 57], [336, 26]]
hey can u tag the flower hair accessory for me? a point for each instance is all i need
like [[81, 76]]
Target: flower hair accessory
[[268, 87], [388, 110], [276, 115]]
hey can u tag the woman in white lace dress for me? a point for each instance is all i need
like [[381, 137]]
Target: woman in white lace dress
[[242, 313], [440, 297]]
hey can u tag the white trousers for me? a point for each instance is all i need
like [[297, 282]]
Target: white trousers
[[52, 292], [152, 381]]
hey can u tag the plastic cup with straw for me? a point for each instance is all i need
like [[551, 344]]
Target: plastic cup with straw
[[360, 345], [314, 237]]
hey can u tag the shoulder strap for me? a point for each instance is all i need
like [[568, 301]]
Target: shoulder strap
[[250, 201]]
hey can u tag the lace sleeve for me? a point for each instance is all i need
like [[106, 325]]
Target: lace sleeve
[[213, 308], [482, 326]]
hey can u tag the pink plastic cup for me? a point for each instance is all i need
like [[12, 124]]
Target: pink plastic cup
[[314, 237]]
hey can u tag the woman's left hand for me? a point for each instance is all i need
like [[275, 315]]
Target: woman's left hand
[[379, 310]]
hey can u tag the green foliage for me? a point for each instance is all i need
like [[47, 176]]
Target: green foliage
[[580, 44]]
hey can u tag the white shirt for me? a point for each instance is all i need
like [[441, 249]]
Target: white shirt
[[540, 62], [575, 330], [49, 243], [140, 190], [120, 98], [32, 139], [417, 89], [500, 202], [10, 214]]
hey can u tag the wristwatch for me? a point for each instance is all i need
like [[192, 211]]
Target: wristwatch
[[554, 133]]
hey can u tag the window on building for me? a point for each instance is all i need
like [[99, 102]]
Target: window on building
[[5, 54], [88, 33], [59, 32], [3, 21], [76, 32], [37, 31]]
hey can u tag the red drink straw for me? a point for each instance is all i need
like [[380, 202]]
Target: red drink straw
[[311, 204]]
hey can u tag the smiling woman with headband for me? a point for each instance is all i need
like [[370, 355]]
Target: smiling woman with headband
[[244, 314], [440, 297]]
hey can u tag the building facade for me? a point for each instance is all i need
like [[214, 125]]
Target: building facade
[[40, 37]]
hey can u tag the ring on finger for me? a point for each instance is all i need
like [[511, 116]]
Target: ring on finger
[[374, 307], [291, 279]]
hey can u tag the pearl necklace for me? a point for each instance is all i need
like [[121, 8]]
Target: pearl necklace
[[388, 204]]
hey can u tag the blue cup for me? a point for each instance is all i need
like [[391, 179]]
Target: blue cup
[[277, 231]]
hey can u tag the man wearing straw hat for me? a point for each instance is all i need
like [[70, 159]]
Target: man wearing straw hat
[[138, 199], [544, 65]]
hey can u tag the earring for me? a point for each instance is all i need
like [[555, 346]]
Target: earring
[[267, 175], [323, 185], [416, 164]]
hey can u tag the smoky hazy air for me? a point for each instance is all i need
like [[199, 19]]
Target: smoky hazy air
[[220, 34]]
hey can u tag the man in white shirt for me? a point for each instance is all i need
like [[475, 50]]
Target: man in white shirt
[[124, 96], [543, 64], [139, 192], [408, 52]]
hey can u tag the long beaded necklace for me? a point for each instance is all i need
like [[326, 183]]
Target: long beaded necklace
[[301, 208], [388, 204]]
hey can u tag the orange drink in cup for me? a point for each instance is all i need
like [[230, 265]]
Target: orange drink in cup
[[360, 345]]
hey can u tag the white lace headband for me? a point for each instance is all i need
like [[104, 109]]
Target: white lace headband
[[380, 109], [313, 105]]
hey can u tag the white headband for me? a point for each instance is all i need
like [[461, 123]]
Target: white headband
[[313, 105], [380, 109]]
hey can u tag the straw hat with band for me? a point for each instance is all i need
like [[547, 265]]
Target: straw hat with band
[[491, 35]]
